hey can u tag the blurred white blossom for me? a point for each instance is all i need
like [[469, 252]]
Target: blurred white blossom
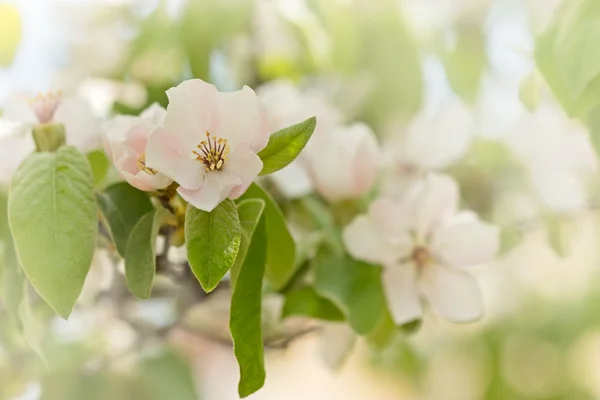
[[424, 243]]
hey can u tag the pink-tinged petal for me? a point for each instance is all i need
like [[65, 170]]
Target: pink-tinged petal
[[365, 241], [246, 165], [243, 120], [453, 294], [216, 187], [155, 114], [191, 112], [82, 126], [294, 180], [436, 141], [344, 162], [432, 203], [464, 244], [401, 291], [161, 156], [114, 131]]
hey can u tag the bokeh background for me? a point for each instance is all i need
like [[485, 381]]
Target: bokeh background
[[378, 61]]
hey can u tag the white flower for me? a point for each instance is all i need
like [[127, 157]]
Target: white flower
[[344, 162], [81, 124], [126, 138], [558, 155], [423, 243], [432, 142], [287, 105], [209, 142]]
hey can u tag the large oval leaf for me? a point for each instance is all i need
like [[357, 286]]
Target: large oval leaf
[[285, 145], [53, 218], [140, 257], [123, 206], [245, 321], [281, 248], [213, 241], [250, 211]]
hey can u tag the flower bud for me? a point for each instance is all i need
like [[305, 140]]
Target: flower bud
[[49, 136]]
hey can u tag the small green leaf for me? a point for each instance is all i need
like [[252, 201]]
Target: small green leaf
[[213, 241], [354, 287], [281, 248], [245, 321], [285, 145], [530, 91], [383, 334], [123, 206], [510, 237], [53, 218], [305, 301], [250, 211], [99, 164], [33, 331], [140, 257], [558, 238]]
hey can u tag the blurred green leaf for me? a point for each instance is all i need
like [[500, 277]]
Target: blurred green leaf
[[213, 241], [250, 211], [207, 25], [245, 321], [566, 56], [466, 62], [383, 334], [33, 330], [306, 302], [53, 218], [530, 91], [558, 237], [167, 377], [354, 287], [99, 164], [281, 248], [123, 206], [140, 256], [285, 145], [510, 237]]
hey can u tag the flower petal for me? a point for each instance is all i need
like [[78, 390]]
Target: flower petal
[[431, 203], [161, 156], [242, 119], [246, 165], [191, 112], [294, 180], [365, 241], [437, 142], [453, 294], [401, 290], [81, 124], [154, 114], [464, 244], [216, 187]]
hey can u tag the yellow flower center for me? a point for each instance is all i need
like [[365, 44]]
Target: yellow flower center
[[44, 106], [141, 163], [212, 152], [422, 257]]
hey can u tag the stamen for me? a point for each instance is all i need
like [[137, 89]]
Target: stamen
[[213, 152], [141, 163], [422, 257]]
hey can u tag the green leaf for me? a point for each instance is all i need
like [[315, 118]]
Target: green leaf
[[213, 241], [530, 91], [123, 206], [285, 145], [140, 256], [305, 301], [166, 377], [245, 321], [354, 287], [53, 218], [99, 164], [466, 63], [250, 211], [281, 248], [565, 54], [33, 331], [558, 238]]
